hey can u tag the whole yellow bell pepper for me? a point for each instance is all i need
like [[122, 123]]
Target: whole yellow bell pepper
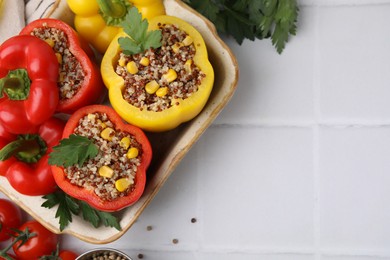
[[97, 21], [149, 8], [182, 110]]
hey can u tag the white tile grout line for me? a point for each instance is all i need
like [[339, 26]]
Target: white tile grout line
[[199, 208], [315, 125], [346, 124], [316, 139], [251, 250]]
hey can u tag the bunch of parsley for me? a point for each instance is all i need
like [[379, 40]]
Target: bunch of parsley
[[251, 19]]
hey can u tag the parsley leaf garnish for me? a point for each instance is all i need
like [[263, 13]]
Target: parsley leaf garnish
[[73, 150], [108, 220], [69, 206], [252, 19], [97, 217], [140, 39]]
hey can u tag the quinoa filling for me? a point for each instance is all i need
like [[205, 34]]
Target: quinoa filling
[[71, 73], [158, 77], [111, 174]]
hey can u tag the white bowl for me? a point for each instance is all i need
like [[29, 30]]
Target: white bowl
[[91, 254]]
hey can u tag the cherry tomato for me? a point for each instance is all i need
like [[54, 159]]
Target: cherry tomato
[[10, 255], [10, 217], [67, 255], [43, 243]]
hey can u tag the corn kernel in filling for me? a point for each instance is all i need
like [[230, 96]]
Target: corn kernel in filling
[[170, 66], [112, 167]]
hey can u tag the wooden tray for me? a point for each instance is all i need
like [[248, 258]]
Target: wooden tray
[[169, 147]]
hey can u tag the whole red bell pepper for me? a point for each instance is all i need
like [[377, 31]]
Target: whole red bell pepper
[[24, 158], [84, 192], [28, 83], [78, 71]]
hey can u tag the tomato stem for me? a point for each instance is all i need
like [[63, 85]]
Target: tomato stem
[[54, 255], [16, 85], [20, 236]]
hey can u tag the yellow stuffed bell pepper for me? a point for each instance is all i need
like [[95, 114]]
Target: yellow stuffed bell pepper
[[98, 21], [168, 107]]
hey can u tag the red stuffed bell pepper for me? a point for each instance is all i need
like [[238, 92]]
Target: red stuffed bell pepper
[[24, 158], [28, 84], [80, 82], [101, 159]]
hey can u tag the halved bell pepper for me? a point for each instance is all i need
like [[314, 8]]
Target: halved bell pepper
[[24, 158], [182, 110], [28, 83], [86, 191], [98, 21], [76, 65]]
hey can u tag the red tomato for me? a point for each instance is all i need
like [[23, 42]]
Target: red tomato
[[43, 243], [10, 255], [67, 255], [10, 217]]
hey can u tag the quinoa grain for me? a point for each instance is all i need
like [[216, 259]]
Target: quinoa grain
[[170, 66], [71, 73], [112, 155]]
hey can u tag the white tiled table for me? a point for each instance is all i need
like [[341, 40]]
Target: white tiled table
[[297, 167]]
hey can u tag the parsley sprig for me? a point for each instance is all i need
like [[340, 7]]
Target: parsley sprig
[[252, 19], [69, 207], [73, 150], [140, 39]]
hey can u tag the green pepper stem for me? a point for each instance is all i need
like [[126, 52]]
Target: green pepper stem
[[112, 8], [27, 148], [16, 85], [10, 149]]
